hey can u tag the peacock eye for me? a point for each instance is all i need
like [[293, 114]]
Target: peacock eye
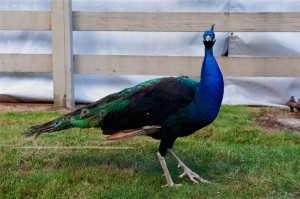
[[102, 113], [57, 122], [84, 112]]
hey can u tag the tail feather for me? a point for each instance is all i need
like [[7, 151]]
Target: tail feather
[[76, 118], [45, 127], [91, 115], [37, 130]]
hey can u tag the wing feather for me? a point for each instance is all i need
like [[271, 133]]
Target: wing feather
[[151, 104]]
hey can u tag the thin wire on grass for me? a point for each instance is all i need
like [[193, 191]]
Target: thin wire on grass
[[70, 147]]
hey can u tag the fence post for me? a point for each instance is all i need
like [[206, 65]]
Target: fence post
[[62, 53]]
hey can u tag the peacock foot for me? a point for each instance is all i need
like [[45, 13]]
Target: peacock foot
[[186, 171], [192, 175], [170, 182]]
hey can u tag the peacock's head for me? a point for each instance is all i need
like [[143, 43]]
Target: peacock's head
[[209, 37]]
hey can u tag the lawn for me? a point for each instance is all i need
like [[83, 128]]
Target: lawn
[[242, 160]]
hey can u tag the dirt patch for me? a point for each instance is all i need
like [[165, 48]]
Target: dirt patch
[[27, 107], [279, 119]]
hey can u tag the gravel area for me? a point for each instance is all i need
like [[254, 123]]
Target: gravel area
[[26, 107], [279, 119]]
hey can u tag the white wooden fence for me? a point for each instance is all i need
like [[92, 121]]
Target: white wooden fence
[[62, 21]]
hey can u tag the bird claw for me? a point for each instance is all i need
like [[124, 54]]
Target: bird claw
[[186, 171], [193, 176]]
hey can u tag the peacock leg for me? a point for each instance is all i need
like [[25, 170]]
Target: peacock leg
[[186, 171], [162, 161]]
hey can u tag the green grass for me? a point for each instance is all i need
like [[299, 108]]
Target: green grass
[[240, 158]]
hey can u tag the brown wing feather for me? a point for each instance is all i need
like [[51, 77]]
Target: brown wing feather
[[124, 134]]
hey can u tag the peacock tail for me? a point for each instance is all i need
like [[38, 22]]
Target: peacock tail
[[93, 114]]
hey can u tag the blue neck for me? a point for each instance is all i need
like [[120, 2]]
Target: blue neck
[[209, 52], [209, 92]]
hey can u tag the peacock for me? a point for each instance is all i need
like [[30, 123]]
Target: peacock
[[162, 108]]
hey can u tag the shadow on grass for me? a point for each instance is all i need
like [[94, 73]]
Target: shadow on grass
[[143, 162], [121, 159]]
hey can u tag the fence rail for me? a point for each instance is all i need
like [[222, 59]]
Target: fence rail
[[155, 65], [25, 20], [62, 21], [156, 22], [187, 22]]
